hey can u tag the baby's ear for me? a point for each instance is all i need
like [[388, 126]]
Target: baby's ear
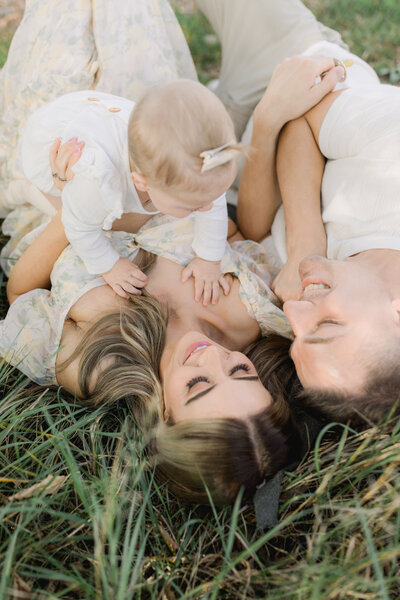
[[139, 181]]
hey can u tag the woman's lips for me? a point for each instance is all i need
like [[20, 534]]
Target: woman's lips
[[195, 348]]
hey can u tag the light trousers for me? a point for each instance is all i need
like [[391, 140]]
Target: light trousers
[[256, 35]]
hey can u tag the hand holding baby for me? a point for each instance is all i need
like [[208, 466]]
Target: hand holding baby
[[62, 158]]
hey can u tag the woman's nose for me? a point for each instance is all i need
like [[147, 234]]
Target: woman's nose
[[214, 357], [300, 314]]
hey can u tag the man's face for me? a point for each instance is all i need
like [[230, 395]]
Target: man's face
[[342, 320]]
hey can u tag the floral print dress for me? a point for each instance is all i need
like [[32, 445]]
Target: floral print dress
[[114, 47]]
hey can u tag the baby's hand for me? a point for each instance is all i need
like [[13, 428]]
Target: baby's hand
[[62, 158], [125, 278], [207, 280]]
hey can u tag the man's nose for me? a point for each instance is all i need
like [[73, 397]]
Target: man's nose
[[310, 263], [300, 314]]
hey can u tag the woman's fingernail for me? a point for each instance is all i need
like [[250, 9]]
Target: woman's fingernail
[[76, 151], [72, 139]]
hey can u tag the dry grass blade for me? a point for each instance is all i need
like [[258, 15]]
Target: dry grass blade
[[49, 485]]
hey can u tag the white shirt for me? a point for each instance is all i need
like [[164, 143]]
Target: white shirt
[[102, 189], [360, 137]]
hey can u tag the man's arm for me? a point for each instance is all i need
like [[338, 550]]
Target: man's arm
[[259, 196], [292, 92], [300, 167]]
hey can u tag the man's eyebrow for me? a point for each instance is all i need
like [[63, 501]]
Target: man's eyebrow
[[204, 392], [320, 340]]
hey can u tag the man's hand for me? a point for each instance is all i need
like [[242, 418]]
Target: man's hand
[[125, 278], [207, 280], [293, 89]]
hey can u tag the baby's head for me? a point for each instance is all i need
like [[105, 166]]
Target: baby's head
[[169, 128]]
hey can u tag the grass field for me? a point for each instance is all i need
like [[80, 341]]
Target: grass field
[[82, 518]]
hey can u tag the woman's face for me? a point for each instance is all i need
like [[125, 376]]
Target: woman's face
[[202, 379]]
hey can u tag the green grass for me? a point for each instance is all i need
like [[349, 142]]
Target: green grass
[[204, 45], [4, 44], [371, 28], [109, 532]]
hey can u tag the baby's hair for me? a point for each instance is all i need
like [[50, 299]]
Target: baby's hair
[[170, 126]]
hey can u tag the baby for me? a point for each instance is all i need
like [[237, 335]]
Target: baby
[[173, 152]]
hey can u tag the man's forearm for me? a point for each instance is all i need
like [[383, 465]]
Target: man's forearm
[[300, 166], [259, 196]]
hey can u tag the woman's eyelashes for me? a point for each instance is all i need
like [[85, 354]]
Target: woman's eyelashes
[[202, 379], [241, 367], [190, 384]]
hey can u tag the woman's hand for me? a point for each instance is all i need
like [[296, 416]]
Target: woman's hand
[[293, 90], [62, 158], [287, 284]]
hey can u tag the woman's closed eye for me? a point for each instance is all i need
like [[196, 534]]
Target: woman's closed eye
[[190, 384], [202, 379], [241, 367]]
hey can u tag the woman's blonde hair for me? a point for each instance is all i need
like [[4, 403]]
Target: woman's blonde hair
[[224, 455], [119, 361], [170, 126], [120, 354]]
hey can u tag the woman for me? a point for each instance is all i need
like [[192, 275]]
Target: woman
[[86, 301], [105, 357], [74, 312]]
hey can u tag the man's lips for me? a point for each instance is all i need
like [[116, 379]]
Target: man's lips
[[314, 281], [196, 347]]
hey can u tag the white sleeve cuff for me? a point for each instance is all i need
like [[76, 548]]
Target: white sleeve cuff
[[210, 231]]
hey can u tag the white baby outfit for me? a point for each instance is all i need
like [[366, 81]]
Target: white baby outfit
[[102, 189]]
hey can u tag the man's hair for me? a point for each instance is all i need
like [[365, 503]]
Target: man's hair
[[379, 400]]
